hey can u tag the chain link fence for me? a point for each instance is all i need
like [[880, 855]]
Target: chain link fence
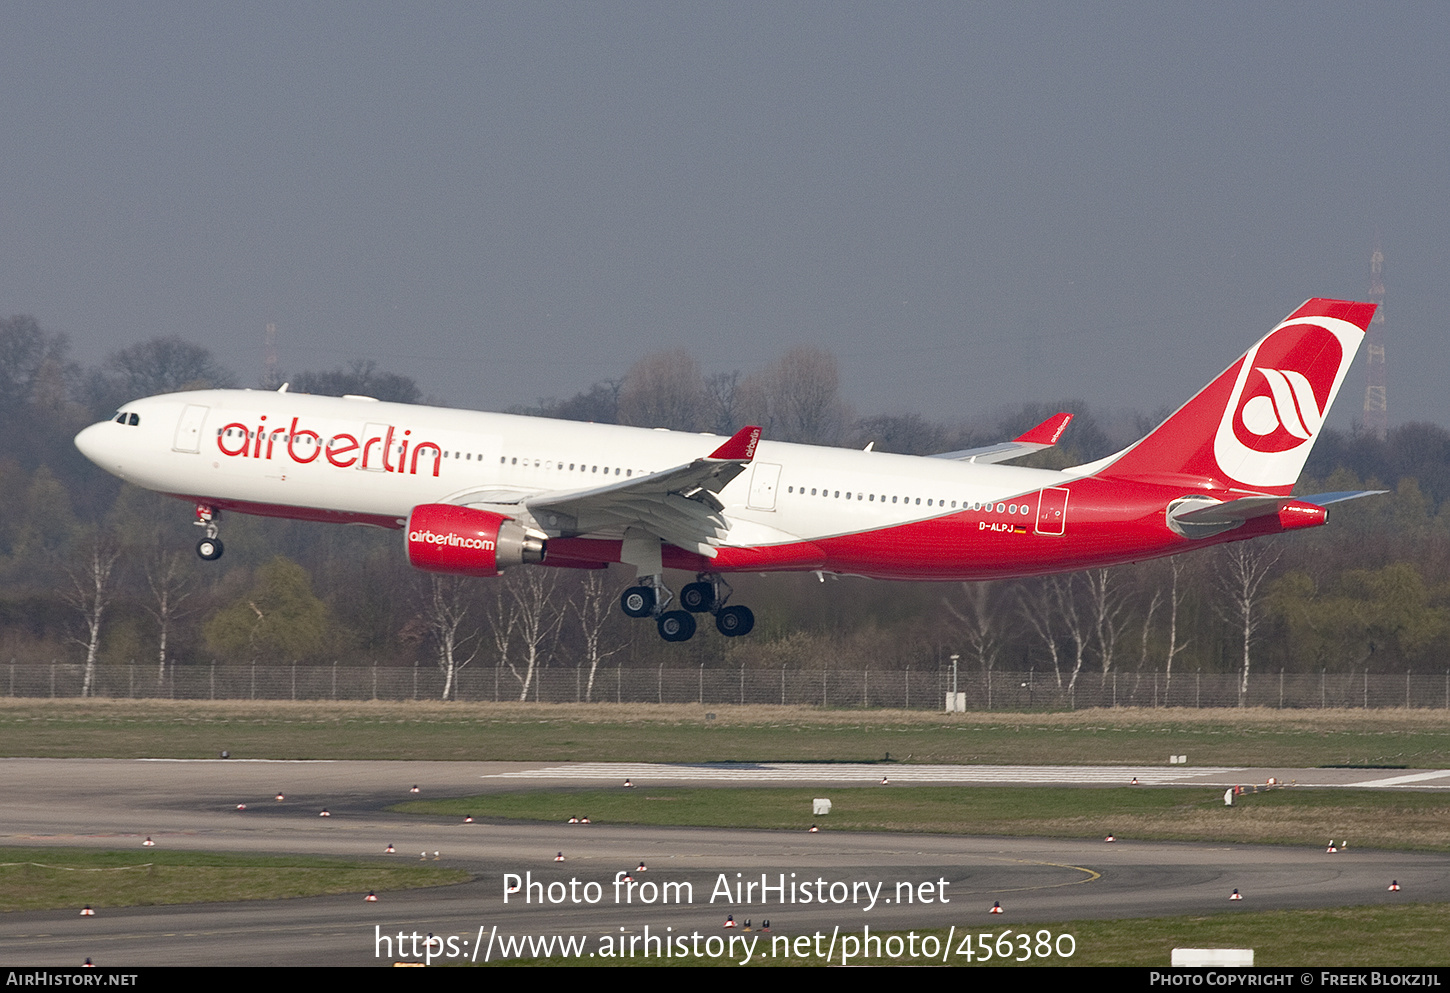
[[840, 688]]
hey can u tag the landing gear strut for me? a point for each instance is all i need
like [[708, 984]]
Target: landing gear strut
[[700, 597], [209, 548]]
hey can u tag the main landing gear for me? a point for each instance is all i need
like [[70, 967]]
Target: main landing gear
[[700, 597], [209, 548]]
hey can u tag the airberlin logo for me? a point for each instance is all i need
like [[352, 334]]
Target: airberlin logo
[[1283, 398], [451, 540], [1280, 396], [386, 450], [1288, 411]]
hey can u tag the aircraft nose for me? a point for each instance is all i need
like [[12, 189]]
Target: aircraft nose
[[92, 443]]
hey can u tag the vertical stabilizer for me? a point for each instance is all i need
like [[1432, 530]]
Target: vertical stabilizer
[[1253, 427]]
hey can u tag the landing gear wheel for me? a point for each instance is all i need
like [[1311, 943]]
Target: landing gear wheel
[[733, 622], [677, 625], [698, 598], [209, 549], [637, 601]]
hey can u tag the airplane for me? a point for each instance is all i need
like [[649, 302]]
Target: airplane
[[476, 493]]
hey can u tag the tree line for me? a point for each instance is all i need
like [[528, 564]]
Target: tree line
[[99, 573]]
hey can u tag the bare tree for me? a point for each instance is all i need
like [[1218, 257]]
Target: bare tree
[[1175, 598], [1049, 605], [363, 377], [723, 401], [535, 619], [158, 365], [594, 608], [664, 390], [166, 575], [801, 395], [1147, 629], [979, 622], [502, 622], [1241, 572], [1108, 607], [445, 611], [91, 593]]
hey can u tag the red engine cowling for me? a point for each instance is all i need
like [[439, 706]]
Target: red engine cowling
[[468, 542]]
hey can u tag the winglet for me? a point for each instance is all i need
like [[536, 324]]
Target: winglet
[[740, 447], [1047, 432]]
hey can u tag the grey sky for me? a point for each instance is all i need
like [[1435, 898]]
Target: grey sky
[[971, 204]]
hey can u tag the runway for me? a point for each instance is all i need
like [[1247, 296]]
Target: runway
[[889, 882]]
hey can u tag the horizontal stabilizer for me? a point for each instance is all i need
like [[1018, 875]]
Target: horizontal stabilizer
[[1044, 435], [1201, 517], [1247, 508], [1325, 499]]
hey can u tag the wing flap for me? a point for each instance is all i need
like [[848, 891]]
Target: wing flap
[[680, 506]]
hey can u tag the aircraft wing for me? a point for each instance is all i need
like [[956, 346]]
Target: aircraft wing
[[1045, 435], [679, 506]]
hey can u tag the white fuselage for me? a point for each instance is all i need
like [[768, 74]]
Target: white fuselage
[[355, 458]]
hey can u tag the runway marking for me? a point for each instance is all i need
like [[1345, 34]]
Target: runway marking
[[253, 761], [1404, 780], [745, 772], [1092, 875], [71, 868]]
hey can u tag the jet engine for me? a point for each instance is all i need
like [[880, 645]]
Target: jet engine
[[468, 542]]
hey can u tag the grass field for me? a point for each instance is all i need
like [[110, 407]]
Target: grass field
[[46, 878], [649, 733], [1289, 817], [1411, 935], [1406, 935]]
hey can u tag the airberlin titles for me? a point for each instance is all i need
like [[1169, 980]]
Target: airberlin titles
[[344, 450]]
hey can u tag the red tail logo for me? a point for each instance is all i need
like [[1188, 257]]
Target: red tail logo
[[1286, 392], [1284, 387]]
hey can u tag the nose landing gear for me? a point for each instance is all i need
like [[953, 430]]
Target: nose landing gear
[[209, 548]]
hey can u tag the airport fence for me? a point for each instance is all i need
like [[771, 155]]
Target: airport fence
[[924, 689]]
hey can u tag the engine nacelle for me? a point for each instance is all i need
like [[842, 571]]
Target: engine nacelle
[[468, 542]]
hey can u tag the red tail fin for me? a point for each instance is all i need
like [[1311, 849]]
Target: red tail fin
[[1253, 426]]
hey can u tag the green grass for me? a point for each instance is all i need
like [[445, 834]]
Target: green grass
[[648, 733], [1286, 816], [49, 878], [1408, 935]]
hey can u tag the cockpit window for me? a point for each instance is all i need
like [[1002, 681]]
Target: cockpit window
[[135, 420]]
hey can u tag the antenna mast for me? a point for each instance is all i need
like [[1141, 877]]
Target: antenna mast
[[1376, 409], [271, 377]]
